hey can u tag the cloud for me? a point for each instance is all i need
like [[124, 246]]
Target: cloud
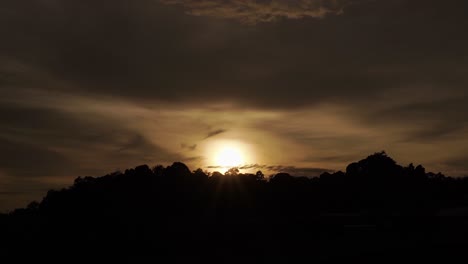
[[252, 12], [149, 51], [295, 171], [343, 158], [193, 159], [30, 160], [139, 149], [45, 142], [215, 133], [188, 147], [458, 163], [424, 121]]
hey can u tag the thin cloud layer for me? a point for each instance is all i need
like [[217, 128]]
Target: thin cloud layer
[[252, 12]]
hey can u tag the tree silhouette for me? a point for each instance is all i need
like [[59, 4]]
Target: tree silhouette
[[172, 214]]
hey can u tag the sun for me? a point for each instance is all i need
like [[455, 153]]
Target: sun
[[224, 154], [229, 156]]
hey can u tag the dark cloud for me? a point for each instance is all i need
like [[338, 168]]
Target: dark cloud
[[188, 146], [148, 51], [429, 121], [215, 133], [47, 142], [460, 163], [252, 12], [140, 149], [23, 159], [334, 158], [296, 171], [193, 159]]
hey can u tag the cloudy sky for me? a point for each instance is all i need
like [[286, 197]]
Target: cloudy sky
[[93, 86]]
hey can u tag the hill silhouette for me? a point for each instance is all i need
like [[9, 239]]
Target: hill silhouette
[[376, 211]]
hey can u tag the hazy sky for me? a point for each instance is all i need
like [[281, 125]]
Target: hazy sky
[[91, 86]]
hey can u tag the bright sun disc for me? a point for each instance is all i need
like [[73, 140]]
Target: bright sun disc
[[229, 157]]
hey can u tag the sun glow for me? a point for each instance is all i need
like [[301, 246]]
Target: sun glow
[[225, 154], [229, 156]]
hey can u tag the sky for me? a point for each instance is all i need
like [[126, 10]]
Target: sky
[[89, 87]]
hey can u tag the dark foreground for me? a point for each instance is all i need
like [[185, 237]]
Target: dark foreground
[[376, 212]]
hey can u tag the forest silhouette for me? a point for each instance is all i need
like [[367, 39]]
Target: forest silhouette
[[375, 212]]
